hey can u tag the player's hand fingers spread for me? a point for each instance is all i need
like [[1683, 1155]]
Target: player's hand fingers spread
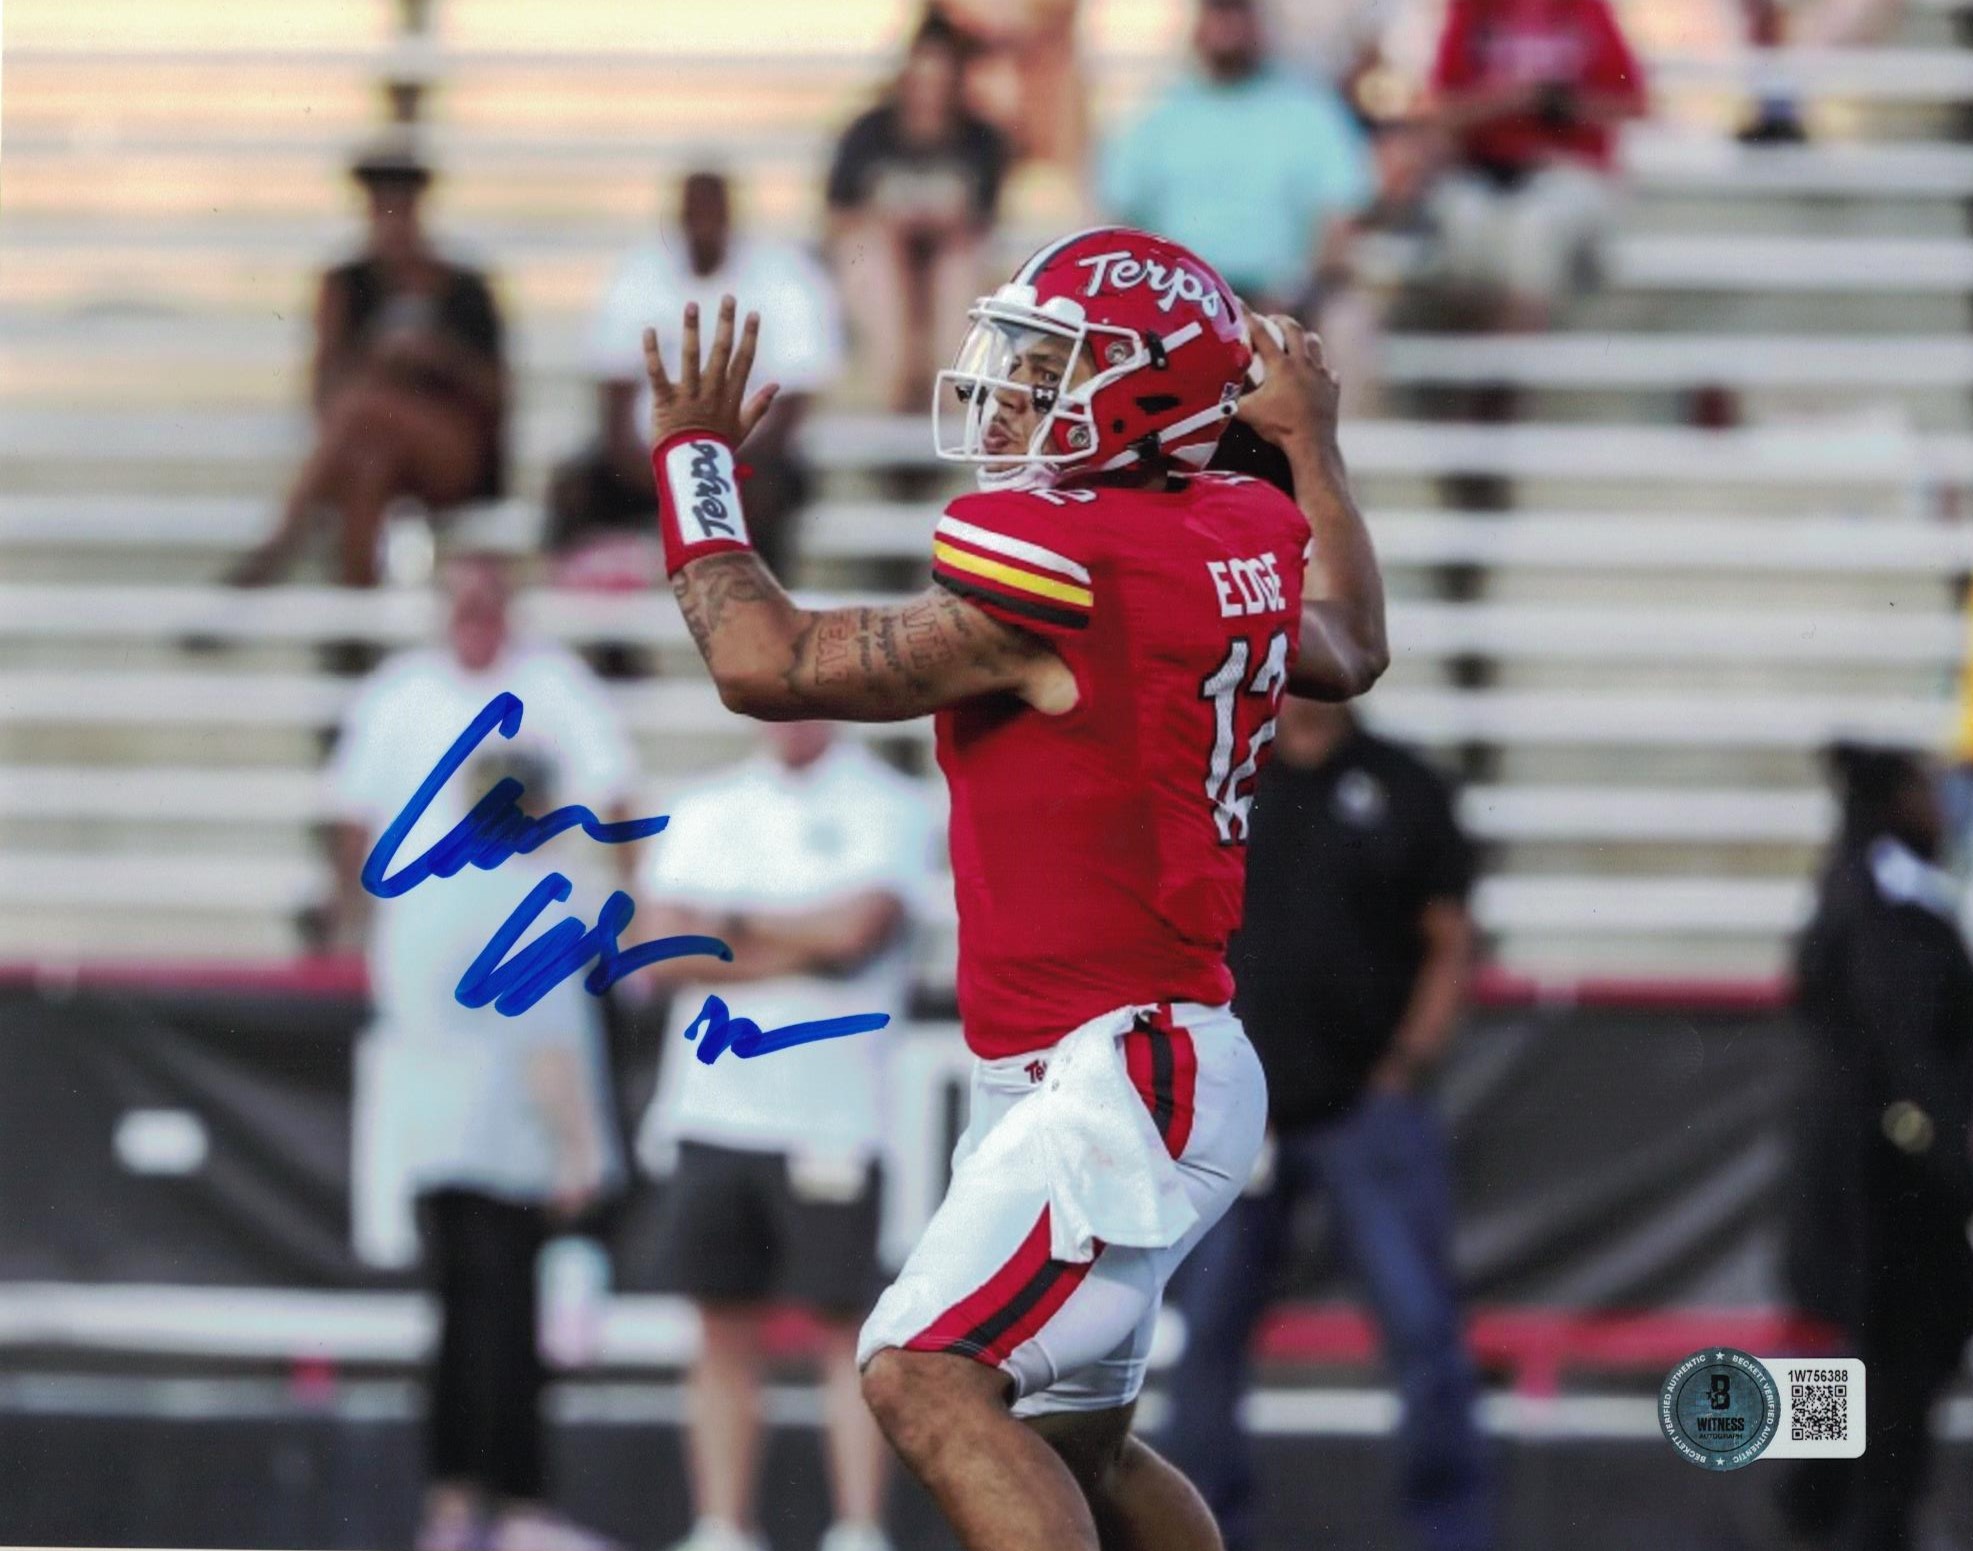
[[743, 358], [721, 354], [688, 366], [757, 408], [654, 368]]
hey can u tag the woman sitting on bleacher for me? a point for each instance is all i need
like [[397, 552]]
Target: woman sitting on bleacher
[[410, 384]]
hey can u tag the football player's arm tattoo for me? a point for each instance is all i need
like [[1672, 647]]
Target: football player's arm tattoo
[[777, 661], [1343, 646]]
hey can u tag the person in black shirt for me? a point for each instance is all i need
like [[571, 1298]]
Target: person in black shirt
[[409, 383], [1351, 968], [1880, 1187], [912, 194]]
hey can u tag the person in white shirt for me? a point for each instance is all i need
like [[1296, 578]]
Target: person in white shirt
[[488, 1131], [601, 503], [810, 862]]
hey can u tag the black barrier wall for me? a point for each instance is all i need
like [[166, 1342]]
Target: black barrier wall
[[1609, 1159]]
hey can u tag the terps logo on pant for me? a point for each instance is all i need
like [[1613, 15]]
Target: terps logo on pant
[[1036, 1070], [700, 482], [1121, 272]]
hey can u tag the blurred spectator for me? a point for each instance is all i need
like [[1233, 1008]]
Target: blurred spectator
[[602, 531], [1777, 117], [1881, 1188], [1254, 169], [912, 193], [810, 863], [1025, 75], [1351, 970], [1338, 41], [409, 383], [1771, 25], [1529, 93], [491, 1130]]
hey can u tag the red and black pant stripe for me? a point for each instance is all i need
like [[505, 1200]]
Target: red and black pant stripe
[[1014, 1303], [1024, 1294], [1164, 1068]]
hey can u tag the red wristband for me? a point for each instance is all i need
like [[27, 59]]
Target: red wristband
[[698, 498]]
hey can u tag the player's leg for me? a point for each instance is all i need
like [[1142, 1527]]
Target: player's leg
[[1139, 1500], [1386, 1168], [1000, 1486], [1202, 1085], [958, 1336], [1008, 1322]]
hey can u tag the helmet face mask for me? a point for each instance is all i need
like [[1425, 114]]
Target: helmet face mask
[[1015, 401], [1103, 343]]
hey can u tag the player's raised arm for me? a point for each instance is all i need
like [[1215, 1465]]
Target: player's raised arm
[[770, 657], [1343, 647]]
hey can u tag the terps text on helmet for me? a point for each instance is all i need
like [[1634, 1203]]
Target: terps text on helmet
[[1122, 271]]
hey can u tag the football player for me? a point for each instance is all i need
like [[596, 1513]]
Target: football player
[[1108, 634]]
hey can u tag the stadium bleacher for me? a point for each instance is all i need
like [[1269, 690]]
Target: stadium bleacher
[[163, 225]]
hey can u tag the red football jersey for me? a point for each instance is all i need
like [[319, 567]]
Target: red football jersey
[[1100, 855]]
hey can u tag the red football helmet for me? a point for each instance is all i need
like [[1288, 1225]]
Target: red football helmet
[[1120, 342]]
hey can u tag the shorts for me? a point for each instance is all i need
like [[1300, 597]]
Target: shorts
[[1075, 1336], [1536, 239], [740, 1226]]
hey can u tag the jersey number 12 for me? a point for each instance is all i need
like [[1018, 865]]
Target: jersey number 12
[[1229, 786]]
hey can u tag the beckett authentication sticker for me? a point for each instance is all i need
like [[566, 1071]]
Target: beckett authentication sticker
[[1821, 1407], [1722, 1408]]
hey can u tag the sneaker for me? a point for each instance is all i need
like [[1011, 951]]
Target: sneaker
[[855, 1537], [451, 1529], [537, 1529], [1774, 126], [717, 1535]]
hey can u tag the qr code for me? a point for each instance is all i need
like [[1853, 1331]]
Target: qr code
[[1820, 1414]]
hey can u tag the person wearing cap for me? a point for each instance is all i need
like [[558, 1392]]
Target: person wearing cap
[[408, 383]]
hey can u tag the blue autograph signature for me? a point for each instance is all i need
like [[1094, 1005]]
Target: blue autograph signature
[[496, 829]]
